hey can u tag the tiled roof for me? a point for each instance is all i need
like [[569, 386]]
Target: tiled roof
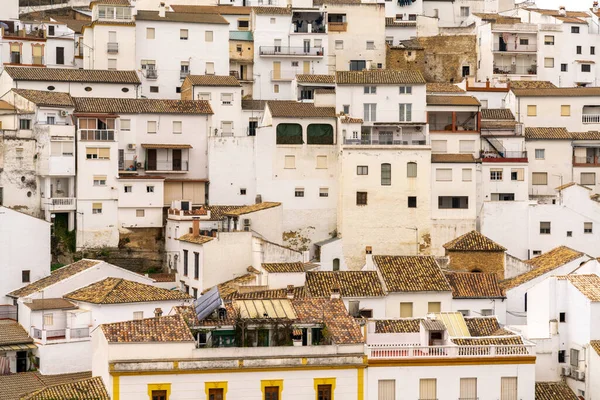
[[118, 290], [56, 276], [443, 88], [411, 274], [590, 135], [532, 85], [495, 124], [571, 20], [409, 44], [110, 2], [554, 391], [50, 304], [6, 106], [543, 264], [170, 328], [403, 325], [483, 326], [313, 78], [343, 328], [324, 90], [588, 285], [272, 10], [474, 285], [86, 389], [284, 267], [393, 22], [334, 2], [12, 332], [203, 18], [547, 133], [595, 344], [213, 80], [219, 9], [435, 100], [217, 213], [498, 18], [252, 208], [473, 241], [258, 105], [72, 75], [230, 287], [497, 113], [190, 238], [564, 91], [350, 283], [14, 386], [294, 109], [555, 12], [492, 341], [299, 293], [379, 77], [44, 98], [452, 158], [188, 313], [351, 120], [140, 106], [163, 277]]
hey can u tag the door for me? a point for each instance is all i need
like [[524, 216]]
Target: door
[[215, 394], [151, 159], [252, 128], [276, 69], [306, 67], [242, 72], [502, 44], [60, 55], [176, 160], [272, 393], [21, 361], [159, 395], [307, 45]]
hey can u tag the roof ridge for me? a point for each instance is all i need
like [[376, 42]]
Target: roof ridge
[[108, 292]]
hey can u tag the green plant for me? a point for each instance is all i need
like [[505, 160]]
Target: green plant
[[56, 266]]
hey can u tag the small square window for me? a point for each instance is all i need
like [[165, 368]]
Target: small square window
[[323, 192], [562, 317], [563, 67], [562, 356], [339, 44], [96, 208], [531, 110], [370, 45], [153, 89], [299, 192], [346, 108], [128, 189], [574, 29], [412, 202], [537, 252], [578, 49], [549, 62], [149, 33], [140, 213], [273, 20], [26, 276], [149, 189], [588, 227], [178, 89], [569, 233], [361, 198], [183, 34], [540, 154], [592, 50], [586, 68], [138, 315], [362, 170], [242, 192], [295, 63], [544, 228]]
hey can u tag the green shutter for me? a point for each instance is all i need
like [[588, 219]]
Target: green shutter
[[320, 134], [289, 134]]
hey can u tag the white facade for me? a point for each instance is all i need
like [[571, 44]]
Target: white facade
[[141, 204], [10, 10]]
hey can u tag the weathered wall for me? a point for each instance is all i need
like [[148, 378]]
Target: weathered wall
[[441, 60], [485, 261]]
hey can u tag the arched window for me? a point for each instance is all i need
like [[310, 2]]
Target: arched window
[[319, 134], [386, 174], [336, 264], [289, 134], [411, 170]]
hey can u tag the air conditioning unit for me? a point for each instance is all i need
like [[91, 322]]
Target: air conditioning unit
[[580, 375], [246, 224], [574, 373], [64, 113], [131, 146], [566, 371]]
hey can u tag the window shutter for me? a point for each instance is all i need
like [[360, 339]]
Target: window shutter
[[125, 124], [411, 170], [439, 146], [467, 175], [321, 162], [406, 310], [443, 174], [565, 110], [520, 173], [99, 177], [468, 388], [227, 98], [508, 388], [210, 68], [151, 126], [290, 162], [104, 153], [56, 149], [177, 127], [539, 178], [386, 389], [427, 389], [227, 126], [434, 307], [588, 178], [96, 206]]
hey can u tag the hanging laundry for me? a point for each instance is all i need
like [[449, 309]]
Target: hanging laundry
[[403, 3]]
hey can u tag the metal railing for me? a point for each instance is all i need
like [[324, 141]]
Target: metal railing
[[77, 333], [290, 51], [184, 74], [167, 166], [151, 74], [515, 70], [590, 118], [112, 47], [405, 140], [63, 201], [127, 165], [510, 47], [503, 154], [337, 26], [99, 135], [385, 351], [592, 160]]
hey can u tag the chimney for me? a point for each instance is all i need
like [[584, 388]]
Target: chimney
[[290, 292], [595, 7], [562, 11], [158, 312], [161, 10], [369, 266], [258, 199], [196, 226], [335, 292]]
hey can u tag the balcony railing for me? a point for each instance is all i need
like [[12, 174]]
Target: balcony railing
[[100, 135], [63, 201], [128, 165], [337, 26], [151, 74], [586, 161], [56, 334], [515, 70], [77, 333], [503, 155], [170, 166], [590, 118], [404, 140], [394, 351], [184, 74], [8, 312], [112, 47], [510, 47], [291, 51]]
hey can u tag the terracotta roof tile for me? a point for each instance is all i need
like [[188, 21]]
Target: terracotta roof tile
[[258, 105], [532, 85], [219, 9], [313, 78], [590, 135], [285, 267], [294, 109], [12, 332], [44, 98], [170, 328], [16, 385], [140, 106], [515, 341], [588, 285], [568, 185], [547, 133], [473, 241], [213, 80], [350, 283], [324, 90], [483, 326], [200, 18], [411, 274], [299, 293], [188, 313], [217, 213], [443, 88], [334, 2], [379, 77], [190, 238], [56, 276], [50, 304], [497, 113], [452, 158], [543, 264], [252, 208], [571, 20], [554, 391], [435, 100], [393, 22], [498, 18], [403, 325], [72, 75], [343, 328], [86, 389], [595, 344], [474, 285], [564, 91], [491, 124], [272, 10], [555, 12], [110, 2], [118, 291], [6, 106], [163, 277]]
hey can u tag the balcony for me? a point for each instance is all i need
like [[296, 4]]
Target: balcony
[[151, 74], [337, 26], [515, 69], [299, 51], [451, 121], [58, 204], [398, 351], [127, 166], [167, 166], [112, 47], [184, 74], [512, 48], [586, 161], [590, 118], [97, 135], [415, 139], [44, 336], [504, 156]]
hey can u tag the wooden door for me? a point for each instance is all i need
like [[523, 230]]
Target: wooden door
[[306, 67], [215, 394], [272, 393], [276, 69], [151, 159]]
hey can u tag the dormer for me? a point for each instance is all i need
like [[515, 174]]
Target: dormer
[[111, 10]]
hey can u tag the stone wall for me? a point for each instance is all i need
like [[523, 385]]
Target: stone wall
[[484, 261]]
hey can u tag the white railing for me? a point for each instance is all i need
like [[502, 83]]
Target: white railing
[[393, 351], [63, 201], [590, 118]]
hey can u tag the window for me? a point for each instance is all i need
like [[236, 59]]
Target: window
[[439, 146], [336, 264], [97, 153], [96, 208], [24, 124], [531, 110], [183, 34], [569, 233], [434, 307], [486, 312], [574, 29], [586, 68], [272, 393], [238, 48], [574, 359], [49, 319], [370, 112], [185, 262], [412, 202], [295, 63], [159, 395], [468, 388], [204, 96], [242, 191], [323, 192], [503, 197], [362, 170], [319, 134], [153, 89], [535, 253], [149, 189], [321, 162], [386, 389], [411, 170], [549, 40], [125, 124], [453, 202], [562, 356], [592, 50], [323, 392], [370, 45], [523, 42], [548, 62], [464, 11], [210, 68], [467, 175], [370, 89], [275, 88], [406, 310], [466, 146], [405, 112], [299, 192], [443, 174], [208, 36], [184, 69], [496, 174], [563, 67], [565, 110], [361, 198], [508, 388], [289, 162], [112, 64], [243, 24], [405, 89], [357, 65], [26, 276], [544, 228], [539, 178], [588, 227], [140, 213], [428, 387], [177, 127], [50, 120], [588, 178], [128, 189], [339, 44], [517, 174], [151, 127], [150, 33], [346, 108], [562, 317], [196, 265], [540, 154], [99, 180], [578, 49], [389, 39], [386, 174], [138, 315], [272, 21]]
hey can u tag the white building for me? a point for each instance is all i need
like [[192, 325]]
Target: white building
[[455, 14], [10, 10]]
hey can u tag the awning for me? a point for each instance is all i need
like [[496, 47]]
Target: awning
[[18, 347], [166, 146]]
